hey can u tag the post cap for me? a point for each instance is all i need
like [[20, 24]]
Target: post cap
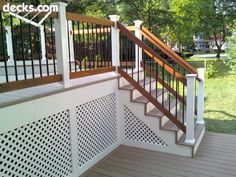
[[62, 4], [114, 18], [138, 23], [191, 75]]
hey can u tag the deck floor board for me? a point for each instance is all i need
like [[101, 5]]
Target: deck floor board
[[216, 157]]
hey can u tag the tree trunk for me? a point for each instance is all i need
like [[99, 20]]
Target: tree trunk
[[218, 52]]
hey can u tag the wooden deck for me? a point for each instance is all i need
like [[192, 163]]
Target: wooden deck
[[216, 157]]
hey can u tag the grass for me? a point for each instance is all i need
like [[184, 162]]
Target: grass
[[220, 99]]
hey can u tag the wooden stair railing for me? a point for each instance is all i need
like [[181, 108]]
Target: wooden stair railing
[[167, 51], [147, 85], [151, 53]]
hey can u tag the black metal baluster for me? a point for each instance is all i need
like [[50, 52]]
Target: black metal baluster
[[31, 50], [79, 55], [88, 47], [22, 50], [150, 76], [70, 62], [169, 84], [52, 38], [126, 56], [105, 46], [156, 84], [39, 51], [93, 48], [132, 60], [14, 50], [97, 58], [46, 49], [144, 69], [163, 78], [101, 46], [84, 49], [4, 51]]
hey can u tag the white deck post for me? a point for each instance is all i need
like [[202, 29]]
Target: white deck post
[[190, 108], [138, 51], [42, 43], [61, 35], [115, 41], [9, 43], [71, 42], [200, 101]]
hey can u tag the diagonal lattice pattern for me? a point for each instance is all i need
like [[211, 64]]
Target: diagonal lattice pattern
[[137, 130], [39, 149], [96, 126]]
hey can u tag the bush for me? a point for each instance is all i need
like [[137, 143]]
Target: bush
[[220, 67]]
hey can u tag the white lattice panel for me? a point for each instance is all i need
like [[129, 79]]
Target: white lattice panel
[[137, 130], [96, 126], [39, 149]]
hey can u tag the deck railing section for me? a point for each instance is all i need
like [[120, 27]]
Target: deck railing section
[[159, 78], [27, 52], [89, 42]]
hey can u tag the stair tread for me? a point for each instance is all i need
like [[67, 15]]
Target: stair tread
[[143, 99], [197, 132], [169, 125], [156, 112], [131, 87]]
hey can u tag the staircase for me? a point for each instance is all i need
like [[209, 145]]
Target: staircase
[[160, 90]]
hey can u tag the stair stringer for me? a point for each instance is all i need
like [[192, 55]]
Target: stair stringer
[[154, 124]]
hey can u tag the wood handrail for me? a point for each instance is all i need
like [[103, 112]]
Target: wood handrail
[[158, 105], [168, 51], [152, 54], [87, 19]]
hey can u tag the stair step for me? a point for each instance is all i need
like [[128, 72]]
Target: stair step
[[157, 113], [170, 125], [130, 87], [197, 133], [143, 99]]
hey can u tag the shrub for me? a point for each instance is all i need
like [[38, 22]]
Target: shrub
[[219, 68]]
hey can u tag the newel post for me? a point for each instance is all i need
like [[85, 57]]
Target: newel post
[[200, 101], [62, 52], [115, 41], [190, 108], [138, 50]]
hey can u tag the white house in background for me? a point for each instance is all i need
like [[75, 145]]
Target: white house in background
[[200, 43]]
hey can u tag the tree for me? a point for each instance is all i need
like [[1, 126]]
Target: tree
[[154, 13], [216, 18], [185, 17]]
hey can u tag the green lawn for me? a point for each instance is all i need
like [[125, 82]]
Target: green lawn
[[220, 100]]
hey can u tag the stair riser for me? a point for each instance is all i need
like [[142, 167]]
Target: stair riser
[[179, 134], [164, 119], [150, 106]]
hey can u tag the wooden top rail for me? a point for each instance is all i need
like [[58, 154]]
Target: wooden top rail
[[152, 54], [42, 14], [131, 28], [168, 51], [87, 19]]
